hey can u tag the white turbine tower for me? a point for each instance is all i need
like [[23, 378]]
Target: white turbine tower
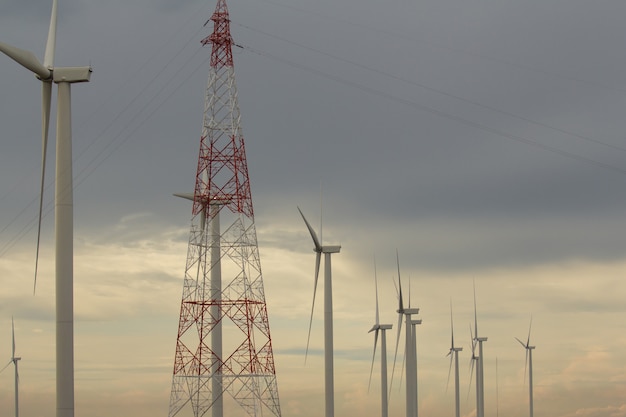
[[63, 77], [13, 361], [454, 356], [529, 366], [383, 354], [327, 250], [413, 348], [411, 360], [480, 382]]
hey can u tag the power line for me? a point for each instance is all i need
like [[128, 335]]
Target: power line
[[439, 113], [441, 92]]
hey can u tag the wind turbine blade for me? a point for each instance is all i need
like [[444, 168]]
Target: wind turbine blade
[[525, 366], [469, 387], [318, 245], [26, 59], [317, 274], [520, 342], [472, 360], [529, 327], [13, 338], [46, 96], [451, 326], [376, 285], [475, 314], [48, 59], [400, 301], [321, 216], [395, 356], [451, 354], [5, 366], [373, 357], [395, 286]]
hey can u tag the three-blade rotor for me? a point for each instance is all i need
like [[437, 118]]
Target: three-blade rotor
[[473, 359], [527, 347], [13, 359], [375, 328], [400, 312], [453, 348]]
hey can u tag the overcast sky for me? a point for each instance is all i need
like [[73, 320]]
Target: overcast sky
[[481, 139]]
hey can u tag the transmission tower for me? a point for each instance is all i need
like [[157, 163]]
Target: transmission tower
[[224, 359]]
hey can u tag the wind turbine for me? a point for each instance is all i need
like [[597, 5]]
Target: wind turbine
[[480, 393], [411, 367], [14, 360], [327, 250], [383, 354], [454, 355], [529, 366], [413, 354], [63, 77]]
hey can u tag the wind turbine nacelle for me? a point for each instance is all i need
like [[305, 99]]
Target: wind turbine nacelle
[[409, 311], [71, 75], [331, 249]]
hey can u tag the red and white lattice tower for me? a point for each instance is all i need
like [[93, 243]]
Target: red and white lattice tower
[[224, 360]]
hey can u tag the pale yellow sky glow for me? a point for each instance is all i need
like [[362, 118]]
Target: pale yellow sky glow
[[128, 295]]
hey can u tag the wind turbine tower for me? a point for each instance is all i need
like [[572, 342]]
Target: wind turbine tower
[[414, 323], [409, 348], [329, 373], [529, 365], [64, 77], [224, 360], [480, 382]]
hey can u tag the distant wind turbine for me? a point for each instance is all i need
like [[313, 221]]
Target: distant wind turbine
[[480, 382], [63, 77], [14, 360], [411, 377], [454, 355], [327, 250], [529, 366], [383, 354]]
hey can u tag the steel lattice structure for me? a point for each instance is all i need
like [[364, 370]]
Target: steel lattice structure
[[224, 358]]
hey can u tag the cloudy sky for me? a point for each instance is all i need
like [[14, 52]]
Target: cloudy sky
[[481, 139]]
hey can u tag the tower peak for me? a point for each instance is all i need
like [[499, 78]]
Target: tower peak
[[220, 39]]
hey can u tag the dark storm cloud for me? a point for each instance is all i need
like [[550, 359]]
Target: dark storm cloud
[[446, 160]]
